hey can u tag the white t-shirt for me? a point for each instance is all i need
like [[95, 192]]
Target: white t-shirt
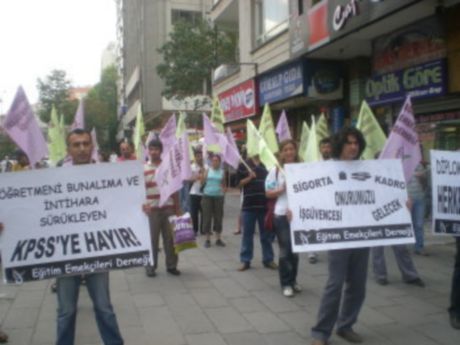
[[272, 183], [195, 189]]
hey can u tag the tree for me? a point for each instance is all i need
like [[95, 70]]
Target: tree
[[191, 53], [101, 108], [54, 90]]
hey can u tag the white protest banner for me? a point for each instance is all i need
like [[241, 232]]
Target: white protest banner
[[73, 220], [352, 204], [445, 181]]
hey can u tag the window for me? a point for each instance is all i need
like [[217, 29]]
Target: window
[[271, 18], [187, 16], [300, 7]]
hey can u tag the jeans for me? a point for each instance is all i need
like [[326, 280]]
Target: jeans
[[346, 267], [288, 261], [184, 196], [98, 289], [247, 240], [418, 219], [454, 308], [196, 213]]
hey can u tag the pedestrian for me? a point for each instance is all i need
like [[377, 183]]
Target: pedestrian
[[6, 164], [159, 215], [416, 189], [22, 161], [253, 211], [126, 151], [198, 169], [405, 264], [80, 148], [275, 187], [346, 266], [454, 309], [212, 202]]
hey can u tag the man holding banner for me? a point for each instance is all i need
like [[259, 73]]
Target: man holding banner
[[345, 266], [80, 148]]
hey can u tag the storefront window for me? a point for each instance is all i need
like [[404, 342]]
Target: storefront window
[[271, 18], [192, 17]]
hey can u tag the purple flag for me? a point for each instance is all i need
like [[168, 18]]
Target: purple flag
[[403, 141], [231, 154], [282, 128], [211, 135], [174, 169], [168, 135], [95, 154], [22, 127], [79, 119]]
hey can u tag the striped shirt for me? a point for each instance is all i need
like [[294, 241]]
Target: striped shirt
[[153, 193], [253, 192]]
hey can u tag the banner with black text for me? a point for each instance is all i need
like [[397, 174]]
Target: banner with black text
[[445, 184], [73, 220], [352, 204]]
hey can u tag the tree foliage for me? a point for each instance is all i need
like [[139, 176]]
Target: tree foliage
[[101, 108], [54, 90], [190, 54]]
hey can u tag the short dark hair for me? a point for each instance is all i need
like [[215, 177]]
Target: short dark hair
[[78, 131], [325, 141], [341, 138], [127, 141], [156, 143]]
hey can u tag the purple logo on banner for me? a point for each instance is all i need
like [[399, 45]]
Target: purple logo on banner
[[421, 81]]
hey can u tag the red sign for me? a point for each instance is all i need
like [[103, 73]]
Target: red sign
[[317, 22], [239, 102]]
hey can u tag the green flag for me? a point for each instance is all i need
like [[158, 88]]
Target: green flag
[[260, 146], [252, 143], [312, 153], [181, 128], [322, 130], [304, 139], [139, 131], [217, 115], [56, 134], [267, 129], [372, 132]]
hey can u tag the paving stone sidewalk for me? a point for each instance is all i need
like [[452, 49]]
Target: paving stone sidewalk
[[212, 303]]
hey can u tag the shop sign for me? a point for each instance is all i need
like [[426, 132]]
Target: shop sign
[[421, 81], [331, 19], [413, 45], [282, 83], [438, 117], [239, 102]]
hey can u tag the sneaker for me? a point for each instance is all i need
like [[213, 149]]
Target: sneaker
[[455, 321], [382, 281], [271, 265], [150, 271], [350, 336], [244, 266], [207, 244], [288, 291], [417, 282], [220, 243], [173, 271], [297, 287]]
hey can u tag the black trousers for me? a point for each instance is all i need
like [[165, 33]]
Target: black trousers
[[195, 212]]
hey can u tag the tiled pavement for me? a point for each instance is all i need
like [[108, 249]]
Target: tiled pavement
[[212, 303]]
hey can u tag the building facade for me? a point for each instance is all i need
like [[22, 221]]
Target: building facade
[[326, 56], [144, 26]]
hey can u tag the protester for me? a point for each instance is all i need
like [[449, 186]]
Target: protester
[[79, 148], [253, 210], [198, 169], [212, 202], [6, 164], [275, 187], [239, 227], [346, 266], [22, 161], [416, 189], [325, 148], [126, 151], [454, 309], [158, 215]]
